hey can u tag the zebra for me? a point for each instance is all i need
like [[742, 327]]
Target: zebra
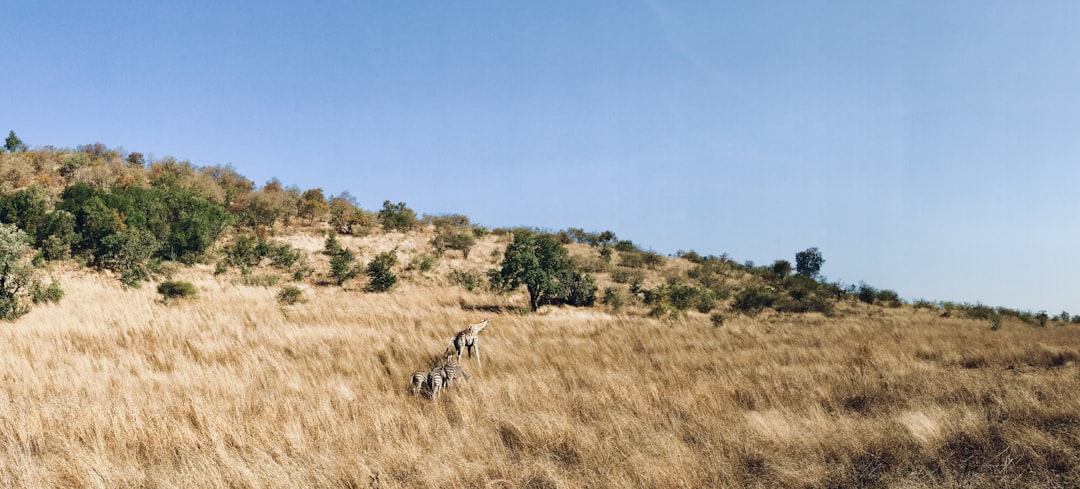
[[467, 338], [451, 370], [435, 380], [419, 380]]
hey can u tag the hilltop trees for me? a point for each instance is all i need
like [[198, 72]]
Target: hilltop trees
[[540, 263]]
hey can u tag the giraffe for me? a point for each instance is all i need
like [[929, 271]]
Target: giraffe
[[467, 338]]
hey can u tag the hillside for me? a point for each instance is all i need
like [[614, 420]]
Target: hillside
[[683, 372]]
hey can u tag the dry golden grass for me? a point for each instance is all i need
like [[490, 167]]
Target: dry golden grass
[[113, 388]]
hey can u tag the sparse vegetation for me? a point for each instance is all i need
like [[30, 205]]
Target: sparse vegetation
[[754, 377]]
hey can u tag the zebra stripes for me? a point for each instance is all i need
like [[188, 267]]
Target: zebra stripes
[[442, 376]]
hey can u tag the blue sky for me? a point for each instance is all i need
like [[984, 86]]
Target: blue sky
[[926, 147]]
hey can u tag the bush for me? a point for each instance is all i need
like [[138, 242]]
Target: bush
[[615, 297], [866, 293], [468, 280], [460, 241], [581, 290], [380, 278], [423, 262], [173, 289], [343, 266], [717, 319], [627, 276], [39, 293], [753, 300], [291, 294]]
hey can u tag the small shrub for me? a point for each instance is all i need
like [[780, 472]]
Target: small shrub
[[39, 293], [290, 295], [468, 280], [615, 297], [173, 289], [717, 319], [423, 262], [581, 290]]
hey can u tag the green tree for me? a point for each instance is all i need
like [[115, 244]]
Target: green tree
[[380, 277], [16, 272], [808, 262], [312, 205], [13, 143], [540, 263], [343, 266], [397, 217]]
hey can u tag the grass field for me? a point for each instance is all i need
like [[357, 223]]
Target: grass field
[[113, 388]]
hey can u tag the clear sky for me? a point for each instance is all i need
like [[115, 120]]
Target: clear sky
[[926, 147]]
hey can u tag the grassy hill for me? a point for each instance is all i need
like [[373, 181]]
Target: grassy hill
[[113, 386]]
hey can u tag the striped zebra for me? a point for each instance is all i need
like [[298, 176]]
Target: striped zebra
[[451, 370], [419, 380], [434, 385], [467, 338]]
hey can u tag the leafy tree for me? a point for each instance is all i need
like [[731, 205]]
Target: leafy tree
[[347, 218], [25, 208], [397, 217], [808, 262], [380, 278], [312, 205], [127, 252], [540, 263], [13, 143], [15, 272]]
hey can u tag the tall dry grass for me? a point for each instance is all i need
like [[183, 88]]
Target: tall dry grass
[[113, 388]]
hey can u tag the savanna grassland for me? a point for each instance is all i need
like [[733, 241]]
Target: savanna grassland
[[113, 387], [285, 361]]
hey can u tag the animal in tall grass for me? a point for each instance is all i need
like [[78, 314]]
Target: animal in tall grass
[[451, 370], [468, 338]]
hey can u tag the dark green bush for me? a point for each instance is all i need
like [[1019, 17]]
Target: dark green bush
[[39, 293], [290, 294], [343, 266], [380, 277], [172, 289], [753, 300]]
